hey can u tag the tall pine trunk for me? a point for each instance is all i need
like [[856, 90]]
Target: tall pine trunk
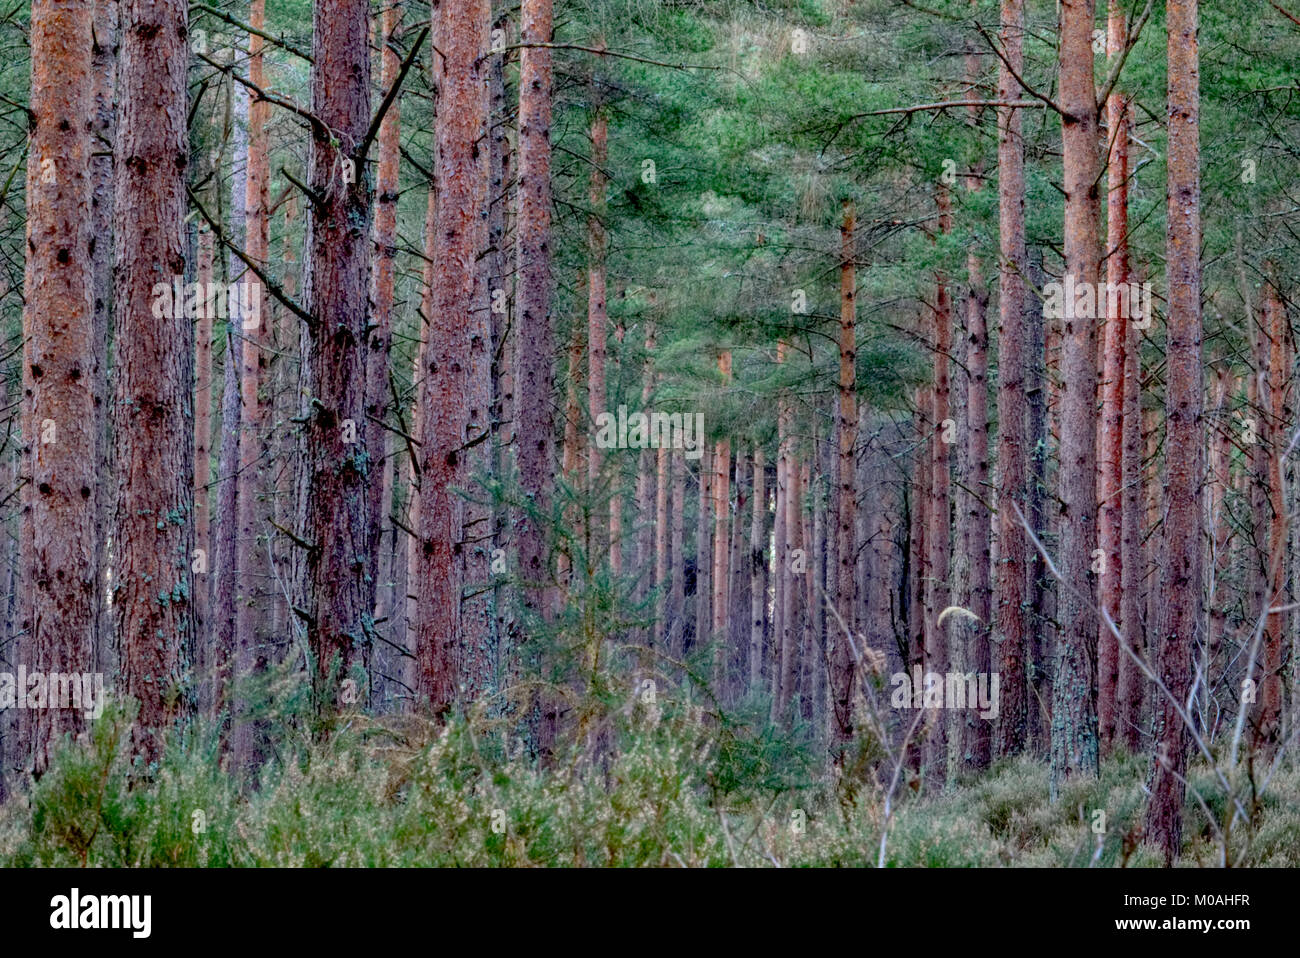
[[1074, 707], [720, 579], [60, 442], [253, 570], [153, 428], [338, 577], [757, 563], [383, 276], [203, 466], [533, 439], [461, 35], [938, 535], [1110, 435], [1180, 579], [1011, 588], [843, 668], [104, 129]]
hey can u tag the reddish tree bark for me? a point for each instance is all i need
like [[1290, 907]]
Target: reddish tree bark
[[253, 568], [1180, 580], [338, 578], [60, 445], [534, 443], [843, 668], [153, 428], [1074, 707], [1110, 434], [461, 36]]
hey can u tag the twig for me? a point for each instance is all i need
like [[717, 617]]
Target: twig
[[272, 287], [249, 28], [605, 53], [1012, 70], [390, 96]]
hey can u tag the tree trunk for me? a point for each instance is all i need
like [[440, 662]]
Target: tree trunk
[[571, 458], [1074, 707], [781, 550], [338, 576], [703, 550], [413, 550], [104, 129], [677, 593], [383, 275], [479, 658], [1132, 680], [597, 324], [500, 193], [253, 567], [938, 536], [919, 557], [842, 667], [757, 562], [720, 578], [1042, 594], [450, 421], [154, 429], [533, 448], [652, 514], [662, 556], [60, 455], [796, 567], [1219, 445], [1266, 722], [203, 465], [738, 604], [1012, 579], [1110, 441], [1180, 581], [225, 548]]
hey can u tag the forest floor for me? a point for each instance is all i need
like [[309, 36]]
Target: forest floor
[[670, 793]]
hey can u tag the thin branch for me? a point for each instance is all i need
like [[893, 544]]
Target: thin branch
[[1130, 41], [271, 286], [317, 124], [307, 191], [390, 96], [297, 540], [1012, 70], [249, 28], [1290, 16], [1016, 104], [606, 53]]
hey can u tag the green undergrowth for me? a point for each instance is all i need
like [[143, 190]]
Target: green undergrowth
[[658, 786]]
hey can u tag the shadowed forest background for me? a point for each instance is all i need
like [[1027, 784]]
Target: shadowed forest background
[[677, 433]]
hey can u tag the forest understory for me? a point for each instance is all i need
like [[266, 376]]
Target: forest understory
[[649, 433]]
